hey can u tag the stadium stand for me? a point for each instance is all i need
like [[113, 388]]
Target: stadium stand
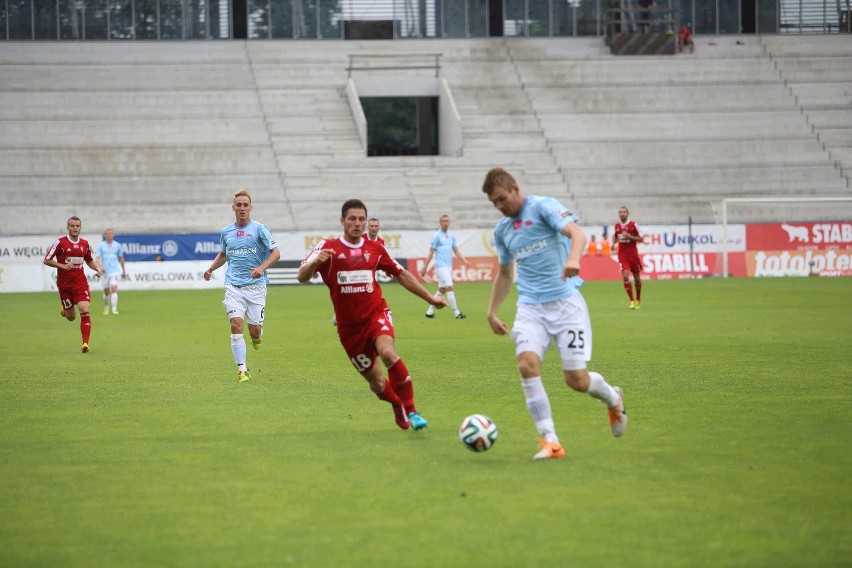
[[160, 135]]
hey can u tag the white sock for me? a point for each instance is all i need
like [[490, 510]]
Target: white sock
[[106, 300], [238, 347], [114, 302], [431, 309], [539, 406], [451, 299], [601, 390]]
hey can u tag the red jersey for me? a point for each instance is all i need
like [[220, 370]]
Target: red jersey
[[379, 240], [77, 253], [625, 246], [350, 274]]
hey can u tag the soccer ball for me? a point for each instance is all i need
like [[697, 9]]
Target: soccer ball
[[478, 432]]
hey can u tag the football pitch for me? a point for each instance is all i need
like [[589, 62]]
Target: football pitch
[[147, 452]]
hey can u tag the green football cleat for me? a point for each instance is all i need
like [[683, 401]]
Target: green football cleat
[[85, 348], [243, 376], [106, 311]]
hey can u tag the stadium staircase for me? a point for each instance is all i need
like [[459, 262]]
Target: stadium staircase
[[158, 136]]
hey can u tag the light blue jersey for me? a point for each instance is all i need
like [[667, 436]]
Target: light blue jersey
[[443, 245], [534, 240], [246, 247], [110, 253]]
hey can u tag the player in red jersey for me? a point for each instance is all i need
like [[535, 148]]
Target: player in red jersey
[[364, 325], [373, 231], [626, 235], [67, 255]]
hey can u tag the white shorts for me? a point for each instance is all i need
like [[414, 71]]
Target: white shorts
[[444, 276], [110, 280], [246, 302], [565, 322]]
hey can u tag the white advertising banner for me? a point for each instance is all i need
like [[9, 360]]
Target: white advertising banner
[[176, 275]]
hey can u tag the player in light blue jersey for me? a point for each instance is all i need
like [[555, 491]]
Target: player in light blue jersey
[[443, 246], [532, 236], [110, 254], [249, 249]]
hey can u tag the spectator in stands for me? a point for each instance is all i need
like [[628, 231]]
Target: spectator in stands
[[684, 38], [645, 15]]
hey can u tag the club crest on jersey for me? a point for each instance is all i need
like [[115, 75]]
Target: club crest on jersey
[[355, 252], [367, 256], [516, 224]]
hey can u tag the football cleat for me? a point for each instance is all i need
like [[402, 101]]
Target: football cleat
[[430, 316], [460, 316], [417, 422], [115, 312], [84, 348], [255, 343], [637, 304], [618, 416], [106, 311], [632, 305], [399, 416], [549, 450], [243, 376]]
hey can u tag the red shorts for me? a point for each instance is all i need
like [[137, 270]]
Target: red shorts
[[630, 262], [72, 296], [360, 342]]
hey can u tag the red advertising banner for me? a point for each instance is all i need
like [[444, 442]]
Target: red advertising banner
[[479, 269], [799, 249], [799, 236], [665, 266]]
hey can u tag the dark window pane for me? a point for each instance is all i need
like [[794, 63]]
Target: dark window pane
[[539, 17], [20, 19], [146, 19], [96, 19], [282, 18], [220, 19], [258, 19], [516, 19], [196, 19], [729, 17], [563, 15], [330, 19], [477, 18], [120, 19], [171, 19], [454, 19], [767, 17], [45, 19], [705, 17], [70, 19]]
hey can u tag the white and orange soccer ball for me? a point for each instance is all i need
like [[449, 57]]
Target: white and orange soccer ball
[[478, 432]]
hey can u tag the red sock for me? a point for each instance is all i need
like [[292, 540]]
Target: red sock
[[389, 395], [629, 289], [638, 290], [85, 326], [400, 378]]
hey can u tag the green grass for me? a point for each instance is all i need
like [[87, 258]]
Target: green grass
[[146, 451]]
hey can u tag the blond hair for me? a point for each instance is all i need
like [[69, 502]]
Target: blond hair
[[242, 192]]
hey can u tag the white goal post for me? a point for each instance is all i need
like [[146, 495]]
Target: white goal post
[[832, 214]]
